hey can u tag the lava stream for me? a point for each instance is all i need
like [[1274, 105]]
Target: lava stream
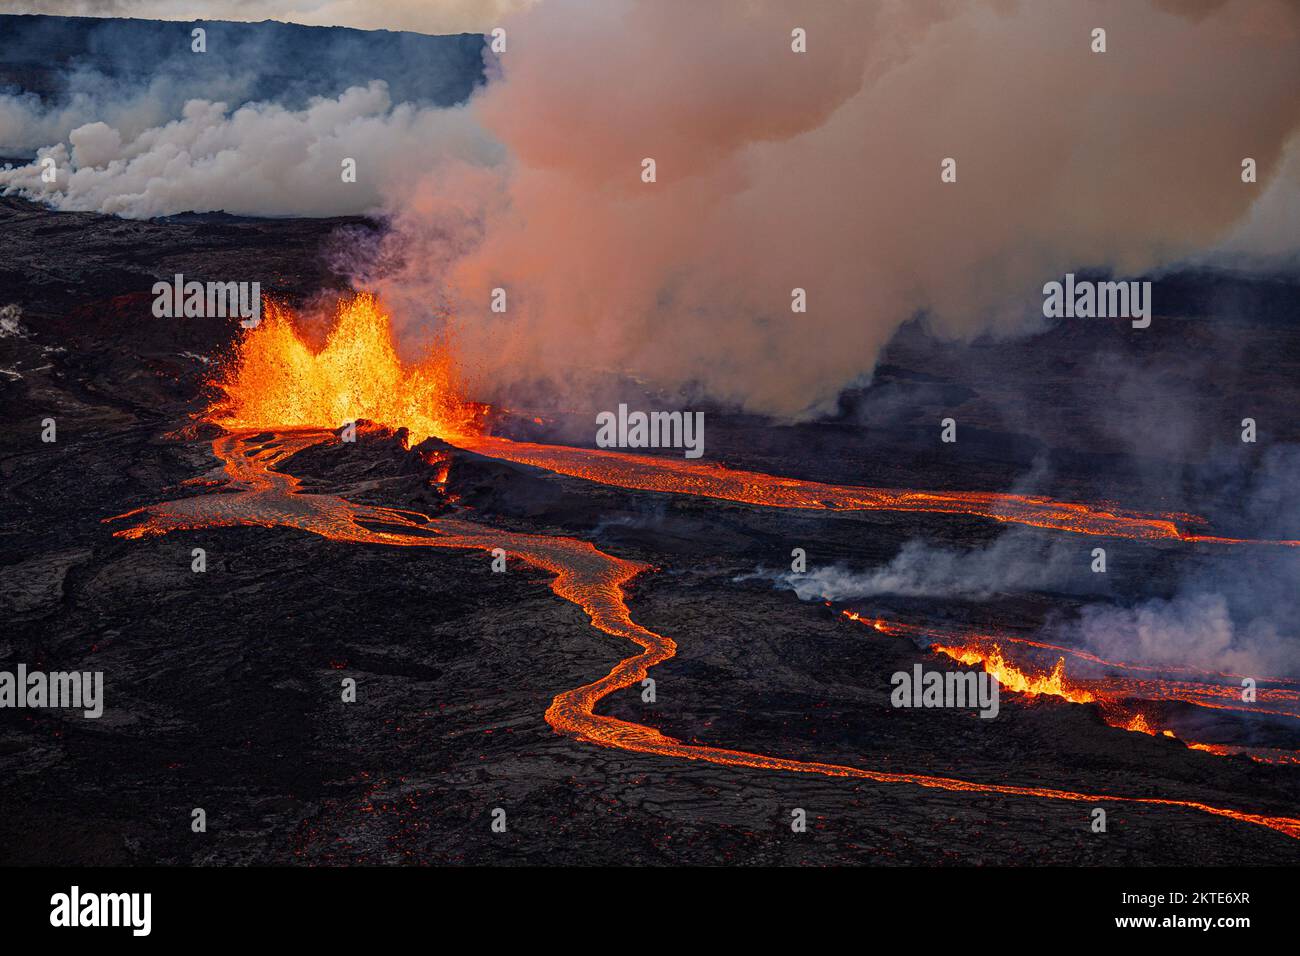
[[1118, 697], [681, 477], [258, 495], [278, 381]]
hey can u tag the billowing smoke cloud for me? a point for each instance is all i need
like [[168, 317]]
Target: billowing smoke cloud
[[258, 160], [27, 123], [57, 75], [1193, 629], [1269, 231], [821, 171], [1237, 610], [775, 170]]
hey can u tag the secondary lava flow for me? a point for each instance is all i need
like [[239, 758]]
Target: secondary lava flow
[[277, 381], [1120, 698], [680, 477], [258, 494]]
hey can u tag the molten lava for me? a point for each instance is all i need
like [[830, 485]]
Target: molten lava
[[258, 494], [706, 480], [278, 384], [277, 381], [1016, 679], [1123, 701]]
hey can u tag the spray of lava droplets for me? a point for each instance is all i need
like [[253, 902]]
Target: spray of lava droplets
[[277, 381]]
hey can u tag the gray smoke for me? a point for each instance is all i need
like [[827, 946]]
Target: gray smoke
[[1238, 609], [1233, 608], [260, 159], [1017, 561], [776, 170]]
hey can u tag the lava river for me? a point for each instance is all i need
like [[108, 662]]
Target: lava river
[[681, 477], [256, 493], [1124, 692]]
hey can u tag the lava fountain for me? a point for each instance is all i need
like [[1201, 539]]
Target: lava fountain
[[276, 381]]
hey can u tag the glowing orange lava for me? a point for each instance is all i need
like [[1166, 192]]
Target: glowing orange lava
[[278, 384], [681, 477], [1120, 699], [277, 381], [1015, 678], [258, 494]]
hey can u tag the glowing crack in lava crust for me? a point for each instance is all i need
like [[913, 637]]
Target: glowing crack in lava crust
[[280, 395]]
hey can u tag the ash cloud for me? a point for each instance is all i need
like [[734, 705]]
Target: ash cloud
[[821, 171], [775, 170]]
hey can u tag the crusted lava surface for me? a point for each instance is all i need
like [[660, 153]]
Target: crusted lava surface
[[223, 688]]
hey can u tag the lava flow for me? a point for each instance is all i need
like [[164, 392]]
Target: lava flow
[[679, 477], [1122, 700], [259, 495], [278, 382], [279, 395]]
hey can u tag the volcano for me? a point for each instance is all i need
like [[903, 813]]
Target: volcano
[[587, 639]]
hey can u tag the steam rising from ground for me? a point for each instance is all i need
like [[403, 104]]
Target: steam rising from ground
[[1015, 561], [260, 159], [775, 170], [1235, 611]]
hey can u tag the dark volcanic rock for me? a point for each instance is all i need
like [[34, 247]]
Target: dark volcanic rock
[[223, 688]]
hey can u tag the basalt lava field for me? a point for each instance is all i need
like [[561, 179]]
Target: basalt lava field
[[476, 690]]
